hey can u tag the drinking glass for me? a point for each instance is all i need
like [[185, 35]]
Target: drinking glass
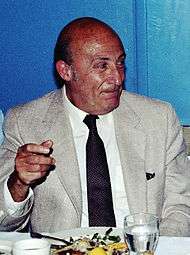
[[141, 233], [31, 247]]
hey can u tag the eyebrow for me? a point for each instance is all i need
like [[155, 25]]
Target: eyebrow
[[123, 55]]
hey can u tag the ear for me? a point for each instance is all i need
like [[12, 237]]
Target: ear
[[64, 70]]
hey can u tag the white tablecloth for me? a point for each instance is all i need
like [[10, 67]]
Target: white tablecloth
[[166, 245], [173, 246]]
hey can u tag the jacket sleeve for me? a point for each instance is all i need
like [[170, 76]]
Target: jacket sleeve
[[8, 151], [176, 208]]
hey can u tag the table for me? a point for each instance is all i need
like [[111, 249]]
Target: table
[[166, 245]]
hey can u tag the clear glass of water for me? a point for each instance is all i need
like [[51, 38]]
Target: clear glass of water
[[141, 233]]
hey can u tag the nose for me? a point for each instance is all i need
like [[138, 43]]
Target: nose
[[116, 76]]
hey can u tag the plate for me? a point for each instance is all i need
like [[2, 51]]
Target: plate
[[166, 245], [5, 247], [77, 232], [86, 232]]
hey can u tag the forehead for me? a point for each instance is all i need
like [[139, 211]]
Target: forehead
[[104, 43]]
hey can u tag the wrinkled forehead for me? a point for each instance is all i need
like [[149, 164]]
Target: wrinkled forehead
[[94, 40]]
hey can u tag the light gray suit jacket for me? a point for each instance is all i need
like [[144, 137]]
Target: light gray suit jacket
[[150, 140]]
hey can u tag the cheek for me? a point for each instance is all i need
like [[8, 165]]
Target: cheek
[[96, 80], [89, 84]]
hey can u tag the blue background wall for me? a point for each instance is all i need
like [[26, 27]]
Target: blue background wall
[[156, 36], [29, 30], [164, 72]]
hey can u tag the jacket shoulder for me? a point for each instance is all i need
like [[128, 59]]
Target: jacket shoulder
[[30, 116], [37, 106], [150, 111], [141, 103]]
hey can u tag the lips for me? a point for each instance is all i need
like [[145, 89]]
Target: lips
[[110, 93]]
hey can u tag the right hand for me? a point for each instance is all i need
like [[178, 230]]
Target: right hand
[[32, 162]]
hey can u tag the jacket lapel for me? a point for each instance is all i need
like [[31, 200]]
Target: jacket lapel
[[131, 142], [58, 129]]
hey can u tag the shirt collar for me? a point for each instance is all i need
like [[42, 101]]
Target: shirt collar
[[77, 116]]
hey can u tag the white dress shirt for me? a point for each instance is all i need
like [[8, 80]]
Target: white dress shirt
[[105, 126]]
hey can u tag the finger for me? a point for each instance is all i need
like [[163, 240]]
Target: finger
[[48, 144], [30, 177], [33, 163], [43, 168], [38, 159], [24, 167], [33, 148]]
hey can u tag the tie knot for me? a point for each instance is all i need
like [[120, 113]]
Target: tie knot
[[90, 121]]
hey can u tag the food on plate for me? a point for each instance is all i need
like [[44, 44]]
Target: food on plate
[[97, 251], [98, 244]]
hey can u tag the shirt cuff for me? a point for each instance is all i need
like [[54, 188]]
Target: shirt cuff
[[15, 208]]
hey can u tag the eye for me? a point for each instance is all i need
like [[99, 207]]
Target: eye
[[101, 65], [121, 63]]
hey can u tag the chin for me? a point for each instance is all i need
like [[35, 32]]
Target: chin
[[109, 108], [113, 103]]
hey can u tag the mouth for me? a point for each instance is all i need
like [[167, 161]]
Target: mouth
[[108, 94]]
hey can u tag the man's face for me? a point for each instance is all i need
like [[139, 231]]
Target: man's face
[[97, 73]]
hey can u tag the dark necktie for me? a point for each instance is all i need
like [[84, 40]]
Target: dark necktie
[[100, 205]]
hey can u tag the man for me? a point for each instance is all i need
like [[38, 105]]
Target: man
[[43, 160]]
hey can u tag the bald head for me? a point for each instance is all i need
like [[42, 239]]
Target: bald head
[[76, 33], [89, 59]]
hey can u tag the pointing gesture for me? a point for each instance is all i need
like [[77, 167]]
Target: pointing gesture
[[33, 162]]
